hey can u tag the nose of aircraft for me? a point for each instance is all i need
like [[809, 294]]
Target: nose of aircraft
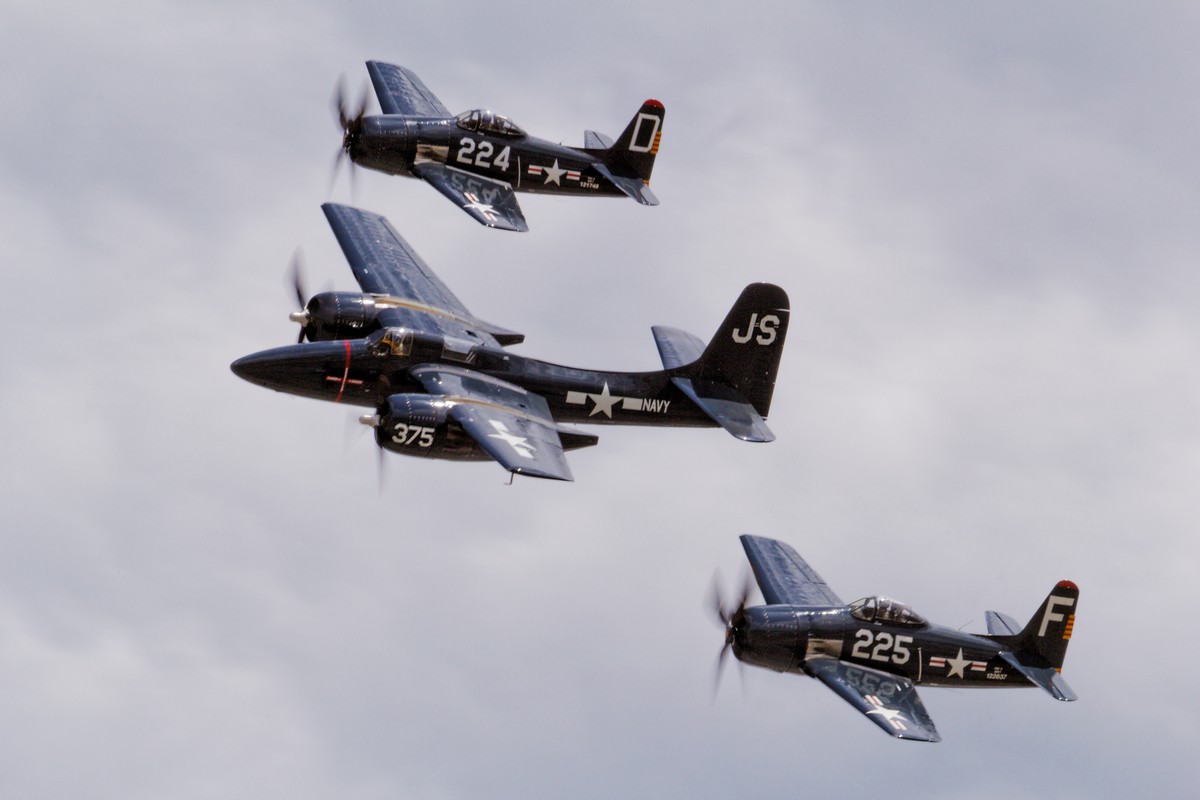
[[297, 368], [257, 368]]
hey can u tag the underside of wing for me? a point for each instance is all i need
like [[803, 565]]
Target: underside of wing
[[512, 425], [784, 577], [385, 265], [400, 91], [891, 702], [491, 202]]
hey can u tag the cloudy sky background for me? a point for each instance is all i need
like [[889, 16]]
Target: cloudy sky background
[[986, 219]]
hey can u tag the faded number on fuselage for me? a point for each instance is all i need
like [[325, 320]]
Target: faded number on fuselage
[[886, 647], [479, 154], [406, 435]]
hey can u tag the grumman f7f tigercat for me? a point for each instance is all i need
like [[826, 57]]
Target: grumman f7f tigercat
[[874, 651], [478, 159], [443, 386]]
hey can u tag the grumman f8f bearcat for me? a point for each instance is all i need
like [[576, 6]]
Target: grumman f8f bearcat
[[443, 386], [479, 159], [874, 651]]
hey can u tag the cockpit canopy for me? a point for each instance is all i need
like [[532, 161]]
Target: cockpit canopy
[[390, 342], [886, 610], [486, 121]]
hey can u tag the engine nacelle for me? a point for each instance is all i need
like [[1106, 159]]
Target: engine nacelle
[[340, 315], [420, 425]]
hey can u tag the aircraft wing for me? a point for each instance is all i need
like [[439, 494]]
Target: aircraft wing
[[410, 295], [891, 702], [491, 202], [784, 577], [400, 91], [512, 425]]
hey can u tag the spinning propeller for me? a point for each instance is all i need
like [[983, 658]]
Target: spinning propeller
[[350, 121], [296, 272], [730, 618]]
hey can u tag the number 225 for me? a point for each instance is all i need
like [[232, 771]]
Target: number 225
[[883, 643]]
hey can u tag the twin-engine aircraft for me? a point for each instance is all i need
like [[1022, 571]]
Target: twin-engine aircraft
[[479, 159], [874, 651], [443, 386]]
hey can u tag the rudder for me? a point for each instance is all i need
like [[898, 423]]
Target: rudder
[[1043, 642], [635, 149], [745, 351]]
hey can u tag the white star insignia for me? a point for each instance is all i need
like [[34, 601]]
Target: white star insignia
[[890, 715], [604, 402], [554, 174], [484, 209], [518, 443], [957, 665]]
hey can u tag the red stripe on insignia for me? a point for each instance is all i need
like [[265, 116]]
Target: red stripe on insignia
[[345, 372]]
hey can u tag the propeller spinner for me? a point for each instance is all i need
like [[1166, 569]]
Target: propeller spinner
[[730, 618], [349, 119]]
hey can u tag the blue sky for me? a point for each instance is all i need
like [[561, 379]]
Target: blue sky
[[985, 219]]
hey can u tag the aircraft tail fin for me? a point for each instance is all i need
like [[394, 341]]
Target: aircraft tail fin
[[1039, 649], [732, 378], [632, 155]]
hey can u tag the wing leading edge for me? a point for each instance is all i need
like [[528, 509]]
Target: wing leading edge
[[400, 91], [784, 577], [385, 265]]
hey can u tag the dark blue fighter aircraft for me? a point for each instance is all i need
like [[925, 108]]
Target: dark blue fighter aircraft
[[479, 159], [874, 651], [443, 386]]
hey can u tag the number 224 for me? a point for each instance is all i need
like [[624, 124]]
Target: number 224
[[483, 156]]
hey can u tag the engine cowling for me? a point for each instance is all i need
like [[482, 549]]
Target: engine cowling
[[420, 425], [329, 316]]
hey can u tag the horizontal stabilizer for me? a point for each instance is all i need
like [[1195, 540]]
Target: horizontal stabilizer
[[727, 408], [596, 141], [1047, 678], [1001, 624], [634, 187], [677, 348]]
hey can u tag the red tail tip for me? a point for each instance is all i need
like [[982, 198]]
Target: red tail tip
[[654, 103], [1067, 585]]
